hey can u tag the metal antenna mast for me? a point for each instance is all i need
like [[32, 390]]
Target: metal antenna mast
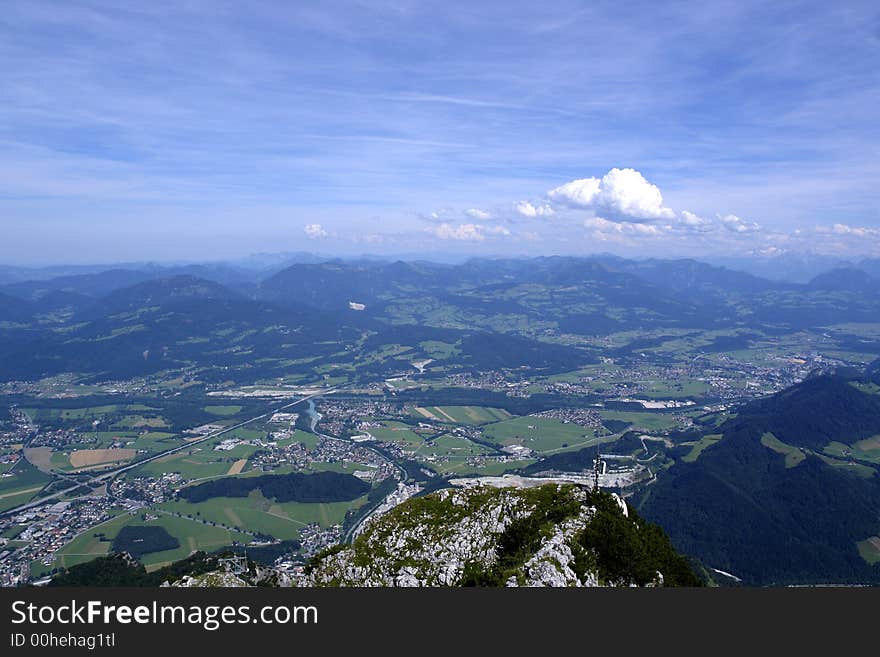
[[596, 463]]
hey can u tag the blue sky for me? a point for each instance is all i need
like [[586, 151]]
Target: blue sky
[[205, 130]]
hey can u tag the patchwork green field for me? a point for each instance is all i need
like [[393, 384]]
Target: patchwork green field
[[439, 350], [223, 411], [20, 486], [346, 467], [139, 421], [461, 414], [13, 498], [452, 446], [869, 549], [94, 542], [645, 421], [490, 468], [84, 413], [310, 440], [154, 441], [447, 454], [191, 534], [864, 471], [793, 455], [538, 433], [864, 450], [257, 514], [242, 433], [675, 390], [700, 445], [399, 433], [199, 463]]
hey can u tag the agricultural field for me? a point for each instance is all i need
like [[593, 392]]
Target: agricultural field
[[700, 445], [461, 414], [94, 542], [309, 440], [10, 499], [19, 487], [140, 421], [346, 467], [448, 454], [85, 413], [675, 390], [192, 535], [255, 513], [538, 433], [242, 433], [645, 421], [237, 467], [84, 458], [864, 471], [154, 441], [864, 450], [793, 455], [869, 549], [439, 350], [201, 462], [451, 446], [490, 467], [399, 433], [223, 411], [869, 446], [40, 457], [102, 439]]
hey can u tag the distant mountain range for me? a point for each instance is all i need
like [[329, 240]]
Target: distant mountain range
[[504, 313]]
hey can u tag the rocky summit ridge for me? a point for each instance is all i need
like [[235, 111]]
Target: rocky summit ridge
[[552, 535]]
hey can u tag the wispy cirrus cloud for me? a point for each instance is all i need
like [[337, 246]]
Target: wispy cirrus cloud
[[855, 231], [468, 232]]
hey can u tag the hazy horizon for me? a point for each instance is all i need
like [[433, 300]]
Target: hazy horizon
[[787, 266], [209, 130]]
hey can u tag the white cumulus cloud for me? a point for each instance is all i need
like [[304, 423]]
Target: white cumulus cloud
[[692, 221], [475, 213], [621, 194], [600, 225], [579, 193], [737, 225], [314, 231], [526, 209]]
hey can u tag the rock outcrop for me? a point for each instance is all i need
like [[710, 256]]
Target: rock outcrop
[[553, 535]]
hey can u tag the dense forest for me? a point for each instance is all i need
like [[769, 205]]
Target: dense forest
[[139, 540], [293, 487], [122, 570], [743, 509]]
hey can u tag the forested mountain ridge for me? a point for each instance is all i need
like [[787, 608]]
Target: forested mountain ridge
[[788, 492]]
